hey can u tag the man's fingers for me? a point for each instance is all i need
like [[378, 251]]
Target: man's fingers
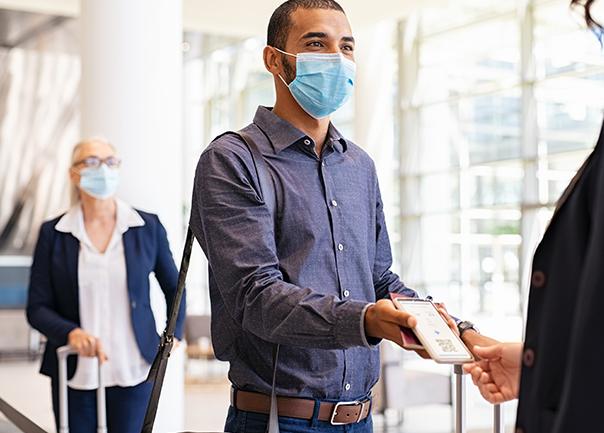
[[389, 313], [404, 319]]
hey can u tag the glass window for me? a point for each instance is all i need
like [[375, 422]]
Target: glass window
[[508, 98], [485, 57]]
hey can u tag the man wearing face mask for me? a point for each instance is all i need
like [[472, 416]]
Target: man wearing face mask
[[89, 288], [311, 276]]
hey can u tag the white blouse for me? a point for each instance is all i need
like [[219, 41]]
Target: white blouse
[[104, 303]]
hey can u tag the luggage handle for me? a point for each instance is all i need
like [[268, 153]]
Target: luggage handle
[[62, 354], [460, 405]]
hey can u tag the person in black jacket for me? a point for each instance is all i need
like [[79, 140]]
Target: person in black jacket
[[557, 372]]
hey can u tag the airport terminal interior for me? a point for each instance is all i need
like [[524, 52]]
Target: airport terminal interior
[[477, 114]]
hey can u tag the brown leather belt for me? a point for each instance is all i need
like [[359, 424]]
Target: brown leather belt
[[340, 413]]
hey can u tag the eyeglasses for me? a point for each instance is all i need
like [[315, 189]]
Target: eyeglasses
[[95, 162]]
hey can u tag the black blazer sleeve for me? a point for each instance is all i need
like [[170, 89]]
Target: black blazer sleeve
[[41, 303]]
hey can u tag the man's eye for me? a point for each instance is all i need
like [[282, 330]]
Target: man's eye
[[315, 44], [348, 48]]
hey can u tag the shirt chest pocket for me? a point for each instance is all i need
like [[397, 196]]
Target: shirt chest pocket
[[302, 217]]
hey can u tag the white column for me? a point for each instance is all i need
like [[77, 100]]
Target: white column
[[131, 94], [373, 109]]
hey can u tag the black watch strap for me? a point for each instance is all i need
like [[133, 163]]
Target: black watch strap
[[466, 326]]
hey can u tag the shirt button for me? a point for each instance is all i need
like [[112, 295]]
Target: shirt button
[[133, 304], [307, 142], [346, 293], [347, 387], [340, 247], [519, 430], [528, 358], [323, 164], [334, 203], [538, 279]]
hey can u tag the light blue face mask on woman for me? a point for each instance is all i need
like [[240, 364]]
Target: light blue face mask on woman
[[323, 82], [100, 182]]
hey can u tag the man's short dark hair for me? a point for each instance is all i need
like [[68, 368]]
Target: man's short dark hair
[[280, 23]]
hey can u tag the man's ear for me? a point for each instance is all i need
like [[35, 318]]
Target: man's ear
[[272, 60]]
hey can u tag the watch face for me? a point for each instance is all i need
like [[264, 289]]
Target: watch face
[[465, 326]]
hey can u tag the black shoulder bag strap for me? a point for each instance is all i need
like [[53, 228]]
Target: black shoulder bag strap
[[160, 363], [269, 195]]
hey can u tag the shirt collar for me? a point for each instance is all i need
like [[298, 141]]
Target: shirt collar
[[336, 139], [73, 221], [283, 134]]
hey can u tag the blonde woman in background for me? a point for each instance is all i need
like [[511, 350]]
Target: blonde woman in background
[[89, 288]]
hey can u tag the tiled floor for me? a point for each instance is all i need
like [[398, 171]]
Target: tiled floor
[[206, 405]]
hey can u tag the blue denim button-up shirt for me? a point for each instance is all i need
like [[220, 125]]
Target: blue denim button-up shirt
[[305, 281]]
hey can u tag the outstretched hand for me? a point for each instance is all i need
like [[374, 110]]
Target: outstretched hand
[[497, 373], [384, 320]]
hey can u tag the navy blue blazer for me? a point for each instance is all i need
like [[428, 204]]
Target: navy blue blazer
[[52, 303]]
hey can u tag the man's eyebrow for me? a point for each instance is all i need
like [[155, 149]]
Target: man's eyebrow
[[309, 35], [322, 35]]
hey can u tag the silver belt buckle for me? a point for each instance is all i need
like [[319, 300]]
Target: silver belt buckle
[[348, 403]]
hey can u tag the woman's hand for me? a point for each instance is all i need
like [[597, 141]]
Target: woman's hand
[[86, 344], [497, 374]]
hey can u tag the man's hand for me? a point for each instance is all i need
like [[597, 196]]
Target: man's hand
[[86, 344], [497, 374], [383, 320]]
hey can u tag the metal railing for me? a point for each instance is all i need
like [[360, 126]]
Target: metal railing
[[460, 405]]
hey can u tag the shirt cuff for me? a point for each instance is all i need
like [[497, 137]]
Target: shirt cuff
[[368, 342], [350, 324]]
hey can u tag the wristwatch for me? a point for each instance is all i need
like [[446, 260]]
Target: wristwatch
[[466, 326]]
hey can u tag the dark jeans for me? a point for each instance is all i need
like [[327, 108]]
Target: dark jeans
[[239, 421], [125, 408]]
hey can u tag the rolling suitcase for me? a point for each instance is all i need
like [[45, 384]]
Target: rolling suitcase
[[62, 354]]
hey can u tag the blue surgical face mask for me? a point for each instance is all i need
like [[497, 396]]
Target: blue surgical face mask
[[100, 182], [323, 82]]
